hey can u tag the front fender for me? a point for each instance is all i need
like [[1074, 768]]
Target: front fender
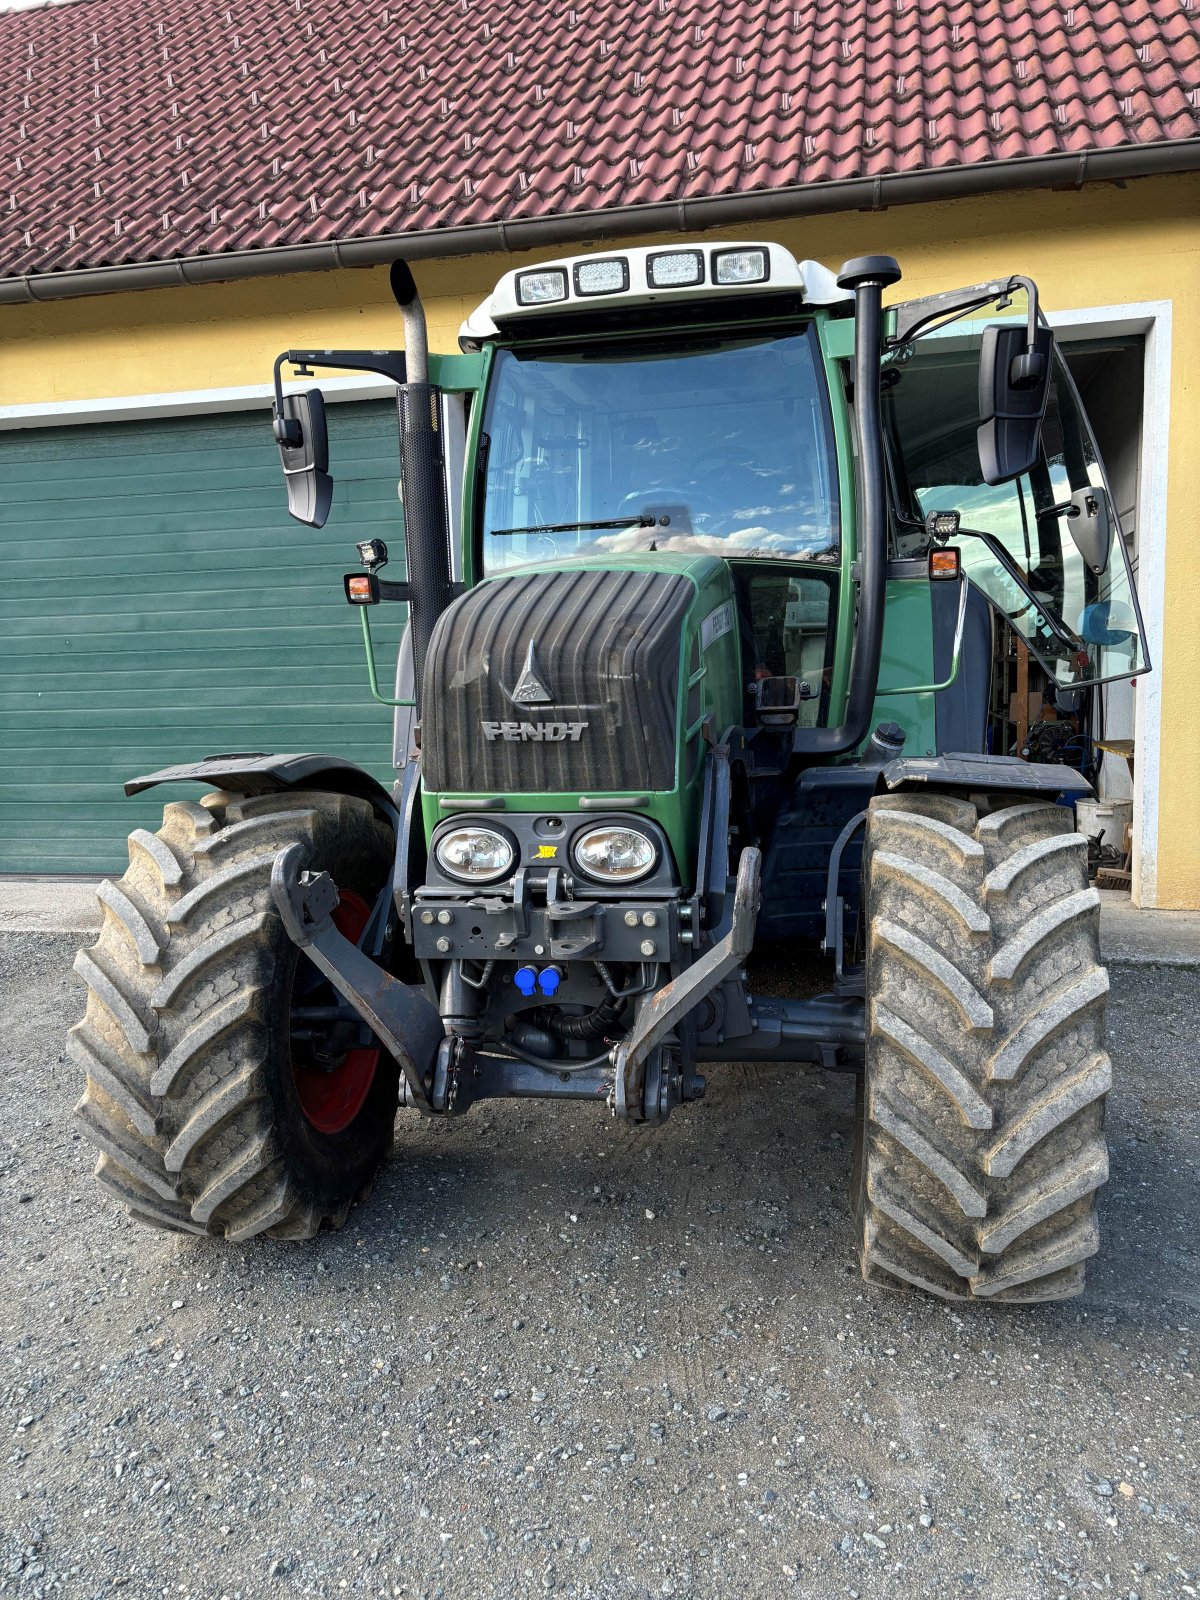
[[258, 773], [970, 771]]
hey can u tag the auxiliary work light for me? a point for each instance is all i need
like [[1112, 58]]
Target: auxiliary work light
[[675, 269], [942, 525], [610, 276], [740, 266], [372, 553], [541, 288]]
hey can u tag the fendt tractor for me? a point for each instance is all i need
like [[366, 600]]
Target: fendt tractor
[[710, 565]]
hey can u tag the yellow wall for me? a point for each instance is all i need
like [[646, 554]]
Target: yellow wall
[[1100, 246]]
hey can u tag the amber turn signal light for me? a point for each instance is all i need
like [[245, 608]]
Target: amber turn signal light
[[362, 588], [944, 564]]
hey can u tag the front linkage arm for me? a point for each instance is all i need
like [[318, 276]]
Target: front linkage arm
[[668, 1007], [405, 1023]]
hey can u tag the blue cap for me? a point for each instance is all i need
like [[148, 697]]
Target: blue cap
[[525, 979], [549, 979]]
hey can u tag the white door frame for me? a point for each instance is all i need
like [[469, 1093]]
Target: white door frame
[[1152, 320], [1149, 318]]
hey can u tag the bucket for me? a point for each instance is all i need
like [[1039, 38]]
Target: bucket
[[1110, 817]]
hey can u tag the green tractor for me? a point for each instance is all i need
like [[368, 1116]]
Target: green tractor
[[710, 565]]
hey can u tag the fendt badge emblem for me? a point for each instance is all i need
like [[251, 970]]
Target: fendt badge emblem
[[532, 689], [537, 732]]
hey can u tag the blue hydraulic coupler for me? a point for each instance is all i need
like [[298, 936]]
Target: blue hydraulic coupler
[[549, 979], [525, 979]]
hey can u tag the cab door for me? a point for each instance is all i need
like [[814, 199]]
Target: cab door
[[1044, 544]]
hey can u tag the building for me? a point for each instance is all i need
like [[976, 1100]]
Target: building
[[191, 188]]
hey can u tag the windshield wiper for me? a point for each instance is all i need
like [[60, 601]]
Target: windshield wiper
[[642, 521]]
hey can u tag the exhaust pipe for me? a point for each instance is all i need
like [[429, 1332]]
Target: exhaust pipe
[[868, 276], [422, 478]]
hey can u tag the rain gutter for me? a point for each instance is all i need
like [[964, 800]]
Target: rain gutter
[[670, 216]]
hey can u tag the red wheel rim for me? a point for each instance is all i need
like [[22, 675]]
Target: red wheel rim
[[332, 1100]]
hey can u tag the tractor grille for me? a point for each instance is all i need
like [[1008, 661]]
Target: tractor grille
[[606, 648]]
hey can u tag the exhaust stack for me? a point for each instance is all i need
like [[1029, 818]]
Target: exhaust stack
[[868, 277], [422, 478]]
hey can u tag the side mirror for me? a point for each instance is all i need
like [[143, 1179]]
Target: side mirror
[[1090, 521], [303, 441], [1014, 384]]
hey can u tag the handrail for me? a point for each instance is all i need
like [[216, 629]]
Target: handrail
[[955, 656], [372, 674]]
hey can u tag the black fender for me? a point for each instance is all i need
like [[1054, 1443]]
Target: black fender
[[968, 771], [257, 773]]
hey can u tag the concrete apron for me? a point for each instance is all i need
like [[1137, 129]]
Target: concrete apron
[[1128, 936]]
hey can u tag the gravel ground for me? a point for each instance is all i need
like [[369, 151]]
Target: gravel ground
[[550, 1355]]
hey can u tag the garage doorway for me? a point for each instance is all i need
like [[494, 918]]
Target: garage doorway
[[157, 605], [1110, 374]]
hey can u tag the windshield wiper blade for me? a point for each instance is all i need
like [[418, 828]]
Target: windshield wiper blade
[[642, 521]]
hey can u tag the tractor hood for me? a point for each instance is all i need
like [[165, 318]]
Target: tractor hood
[[565, 681]]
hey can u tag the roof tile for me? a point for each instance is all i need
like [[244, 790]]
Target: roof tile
[[135, 133]]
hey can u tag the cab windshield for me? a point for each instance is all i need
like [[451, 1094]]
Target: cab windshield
[[700, 445]]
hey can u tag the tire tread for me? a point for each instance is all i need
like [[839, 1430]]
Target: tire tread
[[173, 1038], [981, 1142]]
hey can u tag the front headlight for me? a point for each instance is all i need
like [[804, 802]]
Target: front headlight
[[615, 853], [473, 854]]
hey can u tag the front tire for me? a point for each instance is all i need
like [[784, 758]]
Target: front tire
[[209, 1117], [980, 1141]]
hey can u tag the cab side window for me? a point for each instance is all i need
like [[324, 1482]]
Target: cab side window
[[1016, 537]]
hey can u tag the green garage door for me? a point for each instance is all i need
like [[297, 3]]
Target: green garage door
[[157, 604]]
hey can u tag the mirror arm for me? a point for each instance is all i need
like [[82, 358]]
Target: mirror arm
[[387, 363], [1028, 370], [1019, 281], [915, 315], [287, 430]]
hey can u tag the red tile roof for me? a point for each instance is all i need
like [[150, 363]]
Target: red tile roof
[[134, 132]]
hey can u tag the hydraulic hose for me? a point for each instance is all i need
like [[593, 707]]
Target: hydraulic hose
[[594, 1024], [868, 276]]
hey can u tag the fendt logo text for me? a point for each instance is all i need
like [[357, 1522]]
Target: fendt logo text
[[537, 732]]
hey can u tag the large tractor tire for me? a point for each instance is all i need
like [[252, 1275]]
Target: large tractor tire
[[219, 1098], [981, 1120]]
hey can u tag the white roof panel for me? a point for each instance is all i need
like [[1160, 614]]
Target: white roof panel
[[503, 308]]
